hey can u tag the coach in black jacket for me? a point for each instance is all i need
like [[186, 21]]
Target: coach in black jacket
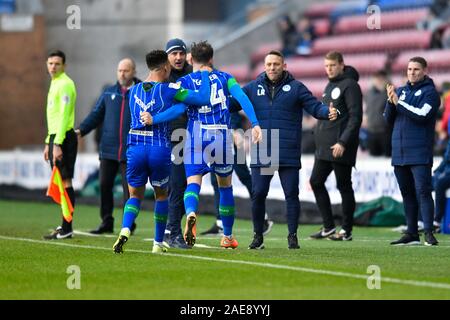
[[112, 110], [337, 145]]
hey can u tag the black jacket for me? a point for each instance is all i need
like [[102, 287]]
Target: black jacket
[[113, 111], [346, 96], [180, 122]]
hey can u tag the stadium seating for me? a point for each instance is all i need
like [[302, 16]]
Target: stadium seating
[[259, 54], [240, 71], [386, 5], [320, 9], [347, 8], [321, 27], [7, 6], [367, 50], [314, 67], [436, 59], [392, 41], [389, 21]]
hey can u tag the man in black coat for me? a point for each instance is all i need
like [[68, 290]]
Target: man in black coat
[[176, 51], [337, 145], [113, 112]]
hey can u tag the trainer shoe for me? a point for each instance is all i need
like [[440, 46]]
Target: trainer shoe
[[228, 242], [121, 240], [177, 242], [268, 224], [293, 241], [190, 230], [430, 240], [58, 234], [215, 230], [257, 243], [323, 233], [158, 247], [408, 239], [342, 235]]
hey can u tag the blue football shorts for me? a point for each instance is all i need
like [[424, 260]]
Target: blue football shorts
[[210, 151], [148, 163]]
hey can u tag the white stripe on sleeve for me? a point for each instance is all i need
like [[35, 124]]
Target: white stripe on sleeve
[[419, 111]]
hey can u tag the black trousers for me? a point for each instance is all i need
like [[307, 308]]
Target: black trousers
[[243, 173], [177, 186], [343, 174], [108, 173], [289, 178]]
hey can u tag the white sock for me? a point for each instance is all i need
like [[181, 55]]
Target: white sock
[[219, 223], [266, 216]]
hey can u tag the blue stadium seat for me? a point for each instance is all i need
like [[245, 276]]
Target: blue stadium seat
[[7, 6], [349, 8], [401, 4]]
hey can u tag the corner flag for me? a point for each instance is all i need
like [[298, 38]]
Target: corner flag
[[59, 194]]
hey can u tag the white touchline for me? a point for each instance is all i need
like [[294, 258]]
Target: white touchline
[[435, 285]]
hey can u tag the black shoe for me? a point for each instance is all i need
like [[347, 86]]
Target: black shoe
[[178, 242], [293, 241], [103, 228], [257, 243], [342, 235], [58, 234], [408, 239], [323, 233], [430, 240], [268, 224], [215, 230], [133, 227], [436, 227]]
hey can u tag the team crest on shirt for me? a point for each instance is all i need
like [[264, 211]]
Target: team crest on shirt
[[286, 88], [418, 93], [261, 90], [66, 99], [113, 97], [403, 95], [335, 93], [175, 85]]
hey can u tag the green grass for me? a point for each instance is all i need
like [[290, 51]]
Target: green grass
[[37, 269]]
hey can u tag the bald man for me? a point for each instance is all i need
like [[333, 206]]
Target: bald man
[[113, 112]]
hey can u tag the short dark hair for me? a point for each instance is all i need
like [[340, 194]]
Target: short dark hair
[[156, 59], [202, 52], [58, 53], [419, 60], [276, 53], [380, 73], [335, 56]]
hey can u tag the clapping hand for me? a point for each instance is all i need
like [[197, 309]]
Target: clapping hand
[[392, 96]]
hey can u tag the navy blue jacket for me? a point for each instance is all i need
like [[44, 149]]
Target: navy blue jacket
[[413, 119], [113, 111], [280, 106]]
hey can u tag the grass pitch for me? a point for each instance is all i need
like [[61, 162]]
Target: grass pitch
[[36, 269]]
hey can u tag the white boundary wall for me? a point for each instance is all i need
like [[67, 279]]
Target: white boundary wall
[[372, 178]]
